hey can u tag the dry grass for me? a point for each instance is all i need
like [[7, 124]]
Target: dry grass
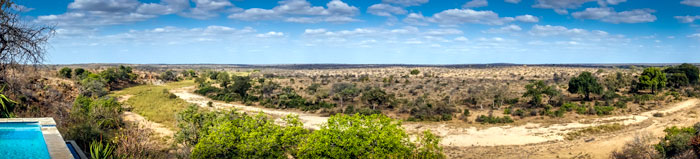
[[600, 129], [154, 102]]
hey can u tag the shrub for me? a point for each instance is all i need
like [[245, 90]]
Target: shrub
[[603, 110], [637, 149], [415, 72], [493, 120], [65, 72], [676, 141], [360, 136]]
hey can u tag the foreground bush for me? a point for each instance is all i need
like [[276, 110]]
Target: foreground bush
[[639, 148], [360, 136]]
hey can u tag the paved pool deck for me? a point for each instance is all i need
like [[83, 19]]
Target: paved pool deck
[[54, 141]]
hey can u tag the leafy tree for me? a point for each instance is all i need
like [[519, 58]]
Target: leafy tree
[[115, 77], [313, 88], [92, 86], [65, 72], [373, 136], [224, 79], [585, 84], [415, 72], [677, 80], [536, 89], [268, 88], [690, 71], [652, 78], [251, 137], [375, 97], [79, 72], [168, 76], [344, 91], [241, 85], [94, 118]]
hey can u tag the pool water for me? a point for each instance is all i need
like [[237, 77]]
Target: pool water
[[22, 140]]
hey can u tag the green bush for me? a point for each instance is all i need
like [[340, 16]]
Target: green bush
[[493, 120], [65, 72], [604, 110], [360, 136], [676, 141]]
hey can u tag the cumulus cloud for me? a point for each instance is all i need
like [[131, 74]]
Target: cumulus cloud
[[513, 1], [406, 2], [385, 10], [21, 8], [609, 15], [696, 36], [460, 16], [695, 3], [505, 29], [301, 11], [687, 18], [205, 9], [562, 6], [527, 18], [475, 4], [416, 19], [270, 34]]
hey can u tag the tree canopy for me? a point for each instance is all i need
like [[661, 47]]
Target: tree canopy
[[652, 78], [536, 89], [585, 84]]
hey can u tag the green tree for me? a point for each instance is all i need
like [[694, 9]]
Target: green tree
[[536, 89], [677, 80], [585, 84], [168, 76], [375, 97], [224, 79], [652, 78], [92, 86], [65, 72], [241, 85], [79, 72], [360, 136], [251, 137], [268, 88], [344, 91], [690, 71]]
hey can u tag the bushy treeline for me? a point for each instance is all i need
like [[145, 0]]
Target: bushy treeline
[[230, 134], [110, 78]]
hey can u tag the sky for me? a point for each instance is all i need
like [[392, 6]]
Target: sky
[[368, 31]]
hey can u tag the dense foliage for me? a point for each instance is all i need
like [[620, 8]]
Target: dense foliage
[[585, 84], [536, 90], [65, 72], [652, 78], [359, 136], [679, 140]]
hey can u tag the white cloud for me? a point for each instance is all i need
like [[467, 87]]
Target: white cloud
[[560, 6], [406, 2], [301, 11], [442, 32], [695, 3], [513, 1], [461, 38], [696, 36], [460, 16], [505, 29], [527, 18], [475, 4], [385, 10], [205, 9], [104, 5], [415, 19], [687, 18], [609, 15], [270, 34]]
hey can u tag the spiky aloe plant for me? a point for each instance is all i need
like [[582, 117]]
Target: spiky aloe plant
[[7, 104], [101, 151]]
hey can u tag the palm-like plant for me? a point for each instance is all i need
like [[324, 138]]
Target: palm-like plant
[[7, 105], [100, 151]]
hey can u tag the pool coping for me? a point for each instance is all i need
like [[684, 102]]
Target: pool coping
[[54, 141]]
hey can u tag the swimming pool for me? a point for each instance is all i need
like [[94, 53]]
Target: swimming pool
[[22, 140]]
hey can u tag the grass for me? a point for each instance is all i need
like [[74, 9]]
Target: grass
[[593, 130], [155, 103]]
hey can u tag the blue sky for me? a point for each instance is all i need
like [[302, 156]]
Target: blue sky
[[369, 31]]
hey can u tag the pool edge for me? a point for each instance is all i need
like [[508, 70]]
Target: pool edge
[[54, 141]]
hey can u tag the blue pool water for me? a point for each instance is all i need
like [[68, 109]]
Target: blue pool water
[[22, 140]]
